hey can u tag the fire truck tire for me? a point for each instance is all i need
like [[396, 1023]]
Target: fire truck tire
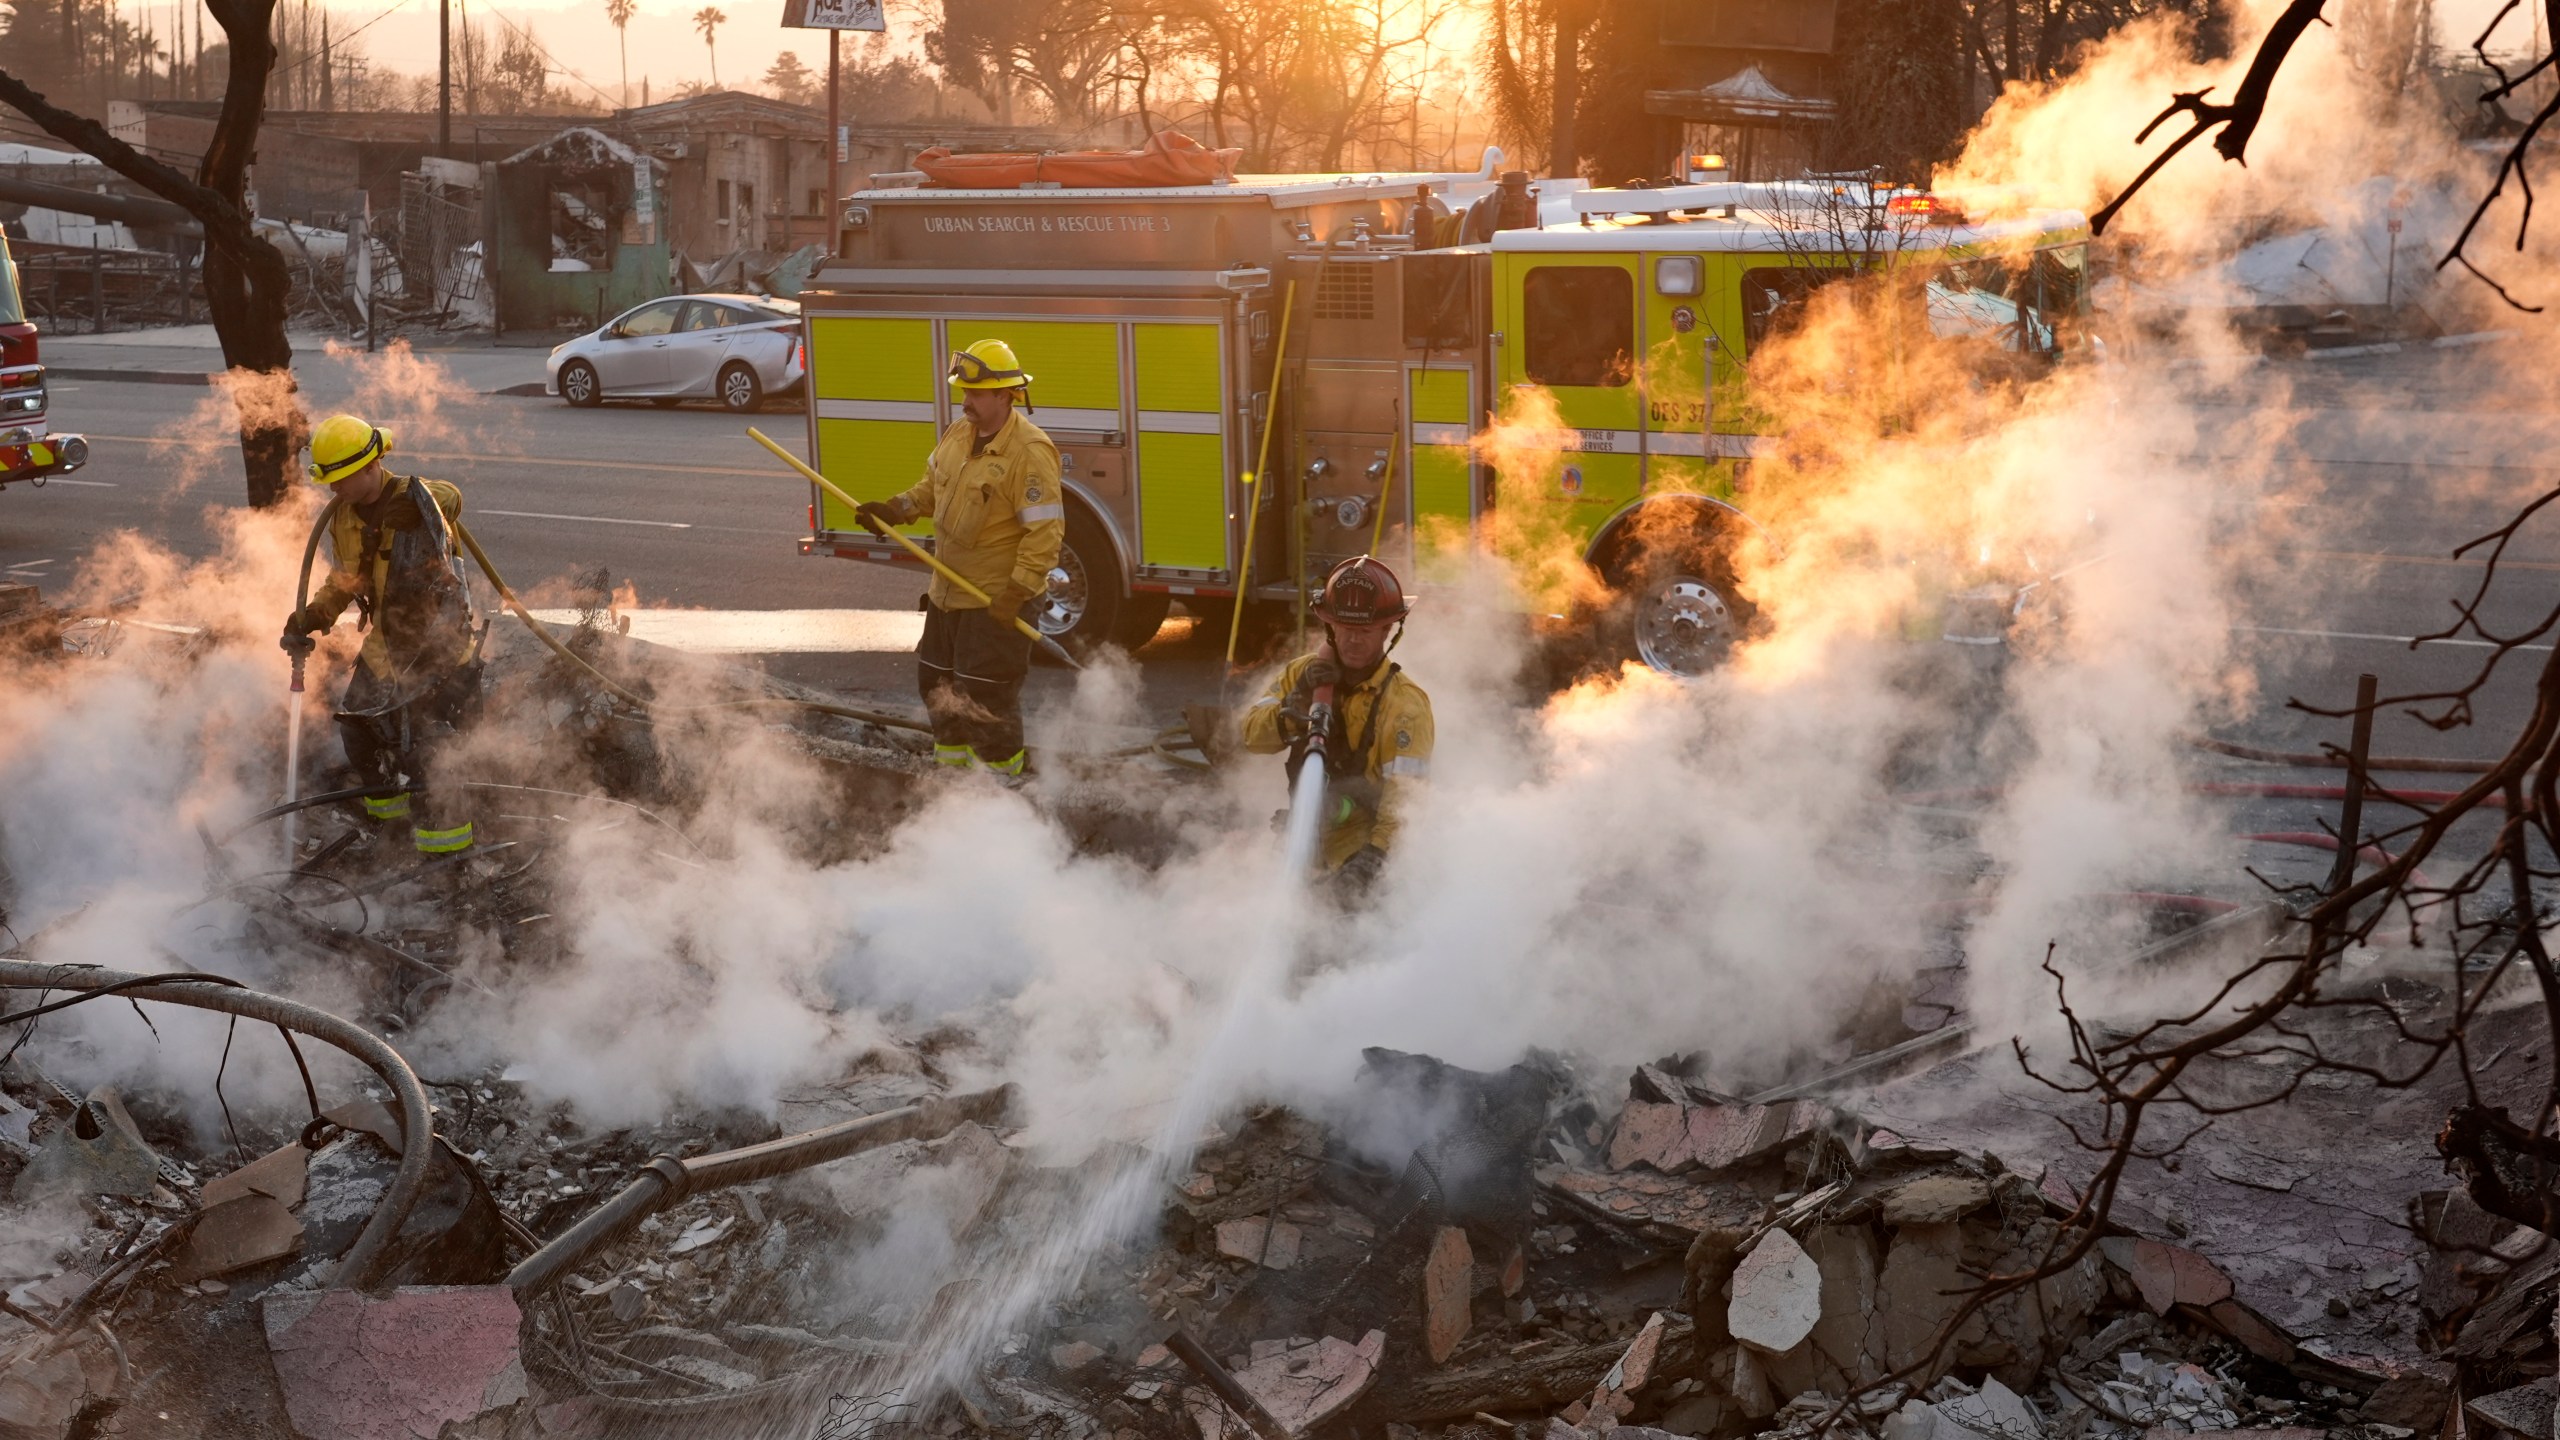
[[580, 386], [1675, 606], [1088, 604]]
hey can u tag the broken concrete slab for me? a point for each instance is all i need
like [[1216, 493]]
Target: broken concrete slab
[[247, 1229], [1244, 1239], [280, 1174], [1303, 1384], [953, 1177], [1777, 1295], [2167, 1274], [1922, 1285], [1935, 1199], [2524, 1412], [394, 1367], [1994, 1412], [1448, 1292], [1675, 1136], [42, 1394]]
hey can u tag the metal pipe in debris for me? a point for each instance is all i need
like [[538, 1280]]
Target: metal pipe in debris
[[1216, 1377], [667, 1180], [417, 1117]]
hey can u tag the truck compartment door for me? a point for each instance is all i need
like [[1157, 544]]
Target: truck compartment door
[[872, 382], [1440, 410], [1182, 450], [1572, 336]]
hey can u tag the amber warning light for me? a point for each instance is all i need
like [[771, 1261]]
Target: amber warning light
[[1936, 209]]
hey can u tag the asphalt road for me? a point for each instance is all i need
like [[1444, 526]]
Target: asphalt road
[[678, 503], [2337, 557]]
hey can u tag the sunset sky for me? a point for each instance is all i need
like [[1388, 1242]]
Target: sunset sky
[[664, 46]]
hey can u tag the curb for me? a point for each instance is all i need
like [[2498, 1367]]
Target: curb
[[131, 377], [200, 377]]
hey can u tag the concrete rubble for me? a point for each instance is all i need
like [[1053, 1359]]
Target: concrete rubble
[[1562, 1256]]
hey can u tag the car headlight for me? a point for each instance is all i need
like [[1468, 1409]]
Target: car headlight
[[24, 402]]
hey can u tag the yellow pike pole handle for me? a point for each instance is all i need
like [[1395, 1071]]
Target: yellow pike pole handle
[[1261, 458], [918, 551]]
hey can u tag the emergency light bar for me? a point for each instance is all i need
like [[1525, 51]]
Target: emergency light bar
[[1658, 201], [1936, 209]]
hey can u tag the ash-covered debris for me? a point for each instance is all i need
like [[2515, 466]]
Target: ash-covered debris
[[1496, 1256]]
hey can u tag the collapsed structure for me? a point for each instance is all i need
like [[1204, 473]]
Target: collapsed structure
[[1536, 1251]]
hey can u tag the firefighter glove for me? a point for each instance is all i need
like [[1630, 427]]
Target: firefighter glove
[[1360, 871], [875, 517], [1320, 672], [1005, 606]]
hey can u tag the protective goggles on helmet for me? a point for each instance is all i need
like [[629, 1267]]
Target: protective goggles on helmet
[[971, 373], [330, 472]]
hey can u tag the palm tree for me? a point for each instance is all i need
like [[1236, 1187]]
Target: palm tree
[[621, 12], [709, 19]]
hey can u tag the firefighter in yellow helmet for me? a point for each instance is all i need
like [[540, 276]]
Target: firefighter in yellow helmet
[[1378, 740], [991, 489], [417, 678]]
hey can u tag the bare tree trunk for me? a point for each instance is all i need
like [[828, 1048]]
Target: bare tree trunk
[[1563, 160], [245, 279]]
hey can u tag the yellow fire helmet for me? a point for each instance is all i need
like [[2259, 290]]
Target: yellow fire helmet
[[987, 365], [342, 445]]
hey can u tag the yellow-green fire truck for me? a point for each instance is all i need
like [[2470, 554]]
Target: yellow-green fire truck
[[1151, 319]]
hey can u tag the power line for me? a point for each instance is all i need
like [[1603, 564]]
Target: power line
[[397, 6]]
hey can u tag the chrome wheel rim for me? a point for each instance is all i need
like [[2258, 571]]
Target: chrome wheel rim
[[739, 389], [1070, 594], [578, 383], [1684, 627]]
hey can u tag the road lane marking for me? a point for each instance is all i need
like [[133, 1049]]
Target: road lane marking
[[588, 519], [2387, 639], [475, 457], [768, 632]]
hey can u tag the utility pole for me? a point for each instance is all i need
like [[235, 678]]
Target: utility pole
[[444, 78], [835, 135]]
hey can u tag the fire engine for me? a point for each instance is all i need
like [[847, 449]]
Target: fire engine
[[28, 451], [1351, 338]]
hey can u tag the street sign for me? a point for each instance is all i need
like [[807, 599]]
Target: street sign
[[834, 15]]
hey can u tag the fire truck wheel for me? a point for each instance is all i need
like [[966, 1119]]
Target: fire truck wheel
[[740, 390], [579, 385], [1675, 605], [1087, 605]]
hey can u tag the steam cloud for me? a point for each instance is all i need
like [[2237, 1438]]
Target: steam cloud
[[1629, 868]]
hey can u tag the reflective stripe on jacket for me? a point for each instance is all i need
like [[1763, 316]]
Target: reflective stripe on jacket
[[1389, 718], [421, 626], [998, 515]]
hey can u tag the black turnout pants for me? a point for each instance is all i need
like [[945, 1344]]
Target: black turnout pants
[[970, 671], [391, 744]]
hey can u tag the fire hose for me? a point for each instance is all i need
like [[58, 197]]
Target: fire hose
[[666, 1180], [417, 1117]]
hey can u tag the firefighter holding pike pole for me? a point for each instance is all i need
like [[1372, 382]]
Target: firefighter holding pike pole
[[999, 514]]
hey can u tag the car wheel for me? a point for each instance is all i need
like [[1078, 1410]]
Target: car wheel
[[1086, 605], [740, 390], [579, 385], [1676, 606]]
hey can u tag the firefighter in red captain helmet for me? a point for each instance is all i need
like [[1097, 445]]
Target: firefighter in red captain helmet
[[1378, 745]]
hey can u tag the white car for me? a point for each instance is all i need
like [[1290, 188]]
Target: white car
[[736, 349]]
